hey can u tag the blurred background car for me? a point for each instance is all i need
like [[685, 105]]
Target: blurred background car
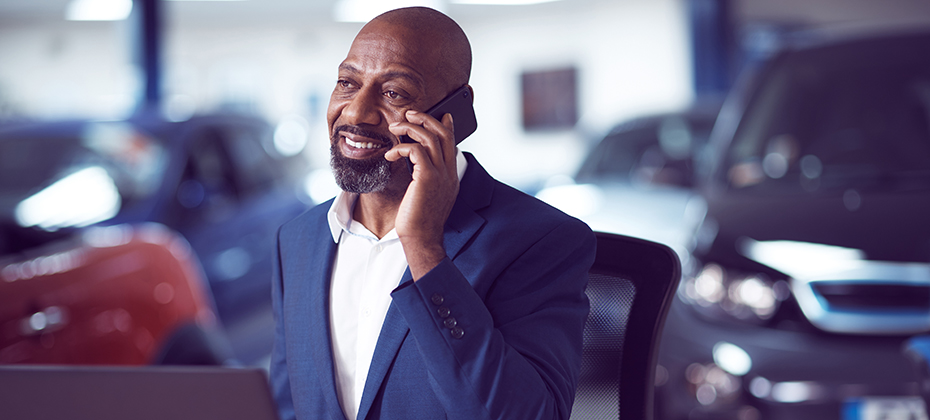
[[655, 149], [811, 267], [122, 294], [218, 180], [637, 180]]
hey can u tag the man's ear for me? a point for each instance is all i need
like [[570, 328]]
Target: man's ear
[[472, 92]]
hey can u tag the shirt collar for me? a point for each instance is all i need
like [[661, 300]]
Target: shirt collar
[[340, 212]]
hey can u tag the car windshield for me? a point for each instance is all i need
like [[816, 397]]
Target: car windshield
[[644, 143], [853, 116], [76, 177]]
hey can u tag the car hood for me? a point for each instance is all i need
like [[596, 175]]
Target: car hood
[[883, 226], [666, 215]]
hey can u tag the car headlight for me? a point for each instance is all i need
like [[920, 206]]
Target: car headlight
[[748, 296]]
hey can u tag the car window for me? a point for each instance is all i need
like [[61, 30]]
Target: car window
[[26, 165], [29, 162], [669, 141], [78, 174], [255, 169], [226, 165], [848, 117], [207, 187], [616, 155]]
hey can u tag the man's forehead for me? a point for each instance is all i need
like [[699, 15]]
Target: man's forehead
[[385, 45], [387, 52]]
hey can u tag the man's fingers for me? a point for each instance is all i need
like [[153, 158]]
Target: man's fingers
[[442, 133], [449, 123], [434, 137]]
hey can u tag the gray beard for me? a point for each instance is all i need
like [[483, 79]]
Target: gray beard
[[360, 176]]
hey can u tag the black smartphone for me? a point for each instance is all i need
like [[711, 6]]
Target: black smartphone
[[459, 104]]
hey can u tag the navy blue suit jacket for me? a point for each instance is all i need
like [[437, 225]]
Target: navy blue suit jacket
[[513, 281]]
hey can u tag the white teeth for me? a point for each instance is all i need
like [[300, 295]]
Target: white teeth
[[359, 145]]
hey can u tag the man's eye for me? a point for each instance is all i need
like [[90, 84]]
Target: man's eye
[[393, 95], [344, 84]]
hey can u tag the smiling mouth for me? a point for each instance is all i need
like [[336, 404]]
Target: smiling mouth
[[363, 145], [362, 140]]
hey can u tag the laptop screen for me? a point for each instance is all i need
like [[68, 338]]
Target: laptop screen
[[137, 393]]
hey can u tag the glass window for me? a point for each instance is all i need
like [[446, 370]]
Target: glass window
[[839, 118], [32, 160]]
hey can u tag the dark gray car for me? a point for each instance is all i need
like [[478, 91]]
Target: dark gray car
[[811, 266]]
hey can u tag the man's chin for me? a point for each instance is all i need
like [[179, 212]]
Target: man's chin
[[360, 176]]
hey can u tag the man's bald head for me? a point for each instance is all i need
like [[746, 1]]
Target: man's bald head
[[434, 33]]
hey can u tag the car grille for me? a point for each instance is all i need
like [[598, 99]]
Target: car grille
[[844, 296], [868, 298]]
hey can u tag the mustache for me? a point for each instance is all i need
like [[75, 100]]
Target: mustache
[[362, 131]]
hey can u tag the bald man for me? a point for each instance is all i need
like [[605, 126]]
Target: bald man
[[432, 294]]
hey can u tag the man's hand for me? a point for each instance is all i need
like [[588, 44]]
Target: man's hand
[[432, 192]]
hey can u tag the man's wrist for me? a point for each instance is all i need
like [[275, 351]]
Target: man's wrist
[[422, 258]]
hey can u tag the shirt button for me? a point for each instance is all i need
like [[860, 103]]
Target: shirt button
[[457, 332], [437, 299], [443, 311], [450, 322]]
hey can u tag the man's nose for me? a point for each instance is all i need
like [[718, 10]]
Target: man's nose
[[363, 108]]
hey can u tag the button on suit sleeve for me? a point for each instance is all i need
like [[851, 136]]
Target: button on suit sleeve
[[515, 351]]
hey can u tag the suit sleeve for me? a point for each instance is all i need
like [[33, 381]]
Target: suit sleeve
[[278, 377], [514, 353]]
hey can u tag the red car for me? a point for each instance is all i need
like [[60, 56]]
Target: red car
[[123, 294]]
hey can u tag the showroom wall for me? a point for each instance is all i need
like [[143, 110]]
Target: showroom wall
[[631, 57], [65, 69], [278, 59]]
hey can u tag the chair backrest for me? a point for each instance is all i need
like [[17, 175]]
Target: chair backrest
[[630, 287]]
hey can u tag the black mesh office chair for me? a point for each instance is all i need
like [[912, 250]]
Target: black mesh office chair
[[630, 286]]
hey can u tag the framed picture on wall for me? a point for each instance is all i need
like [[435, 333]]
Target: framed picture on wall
[[550, 99]]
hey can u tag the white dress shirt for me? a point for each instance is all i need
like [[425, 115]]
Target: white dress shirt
[[365, 272]]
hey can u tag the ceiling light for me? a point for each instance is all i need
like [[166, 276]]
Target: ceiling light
[[502, 2], [365, 10], [98, 9]]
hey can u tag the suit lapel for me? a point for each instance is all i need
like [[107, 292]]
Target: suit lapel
[[313, 283], [475, 193]]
